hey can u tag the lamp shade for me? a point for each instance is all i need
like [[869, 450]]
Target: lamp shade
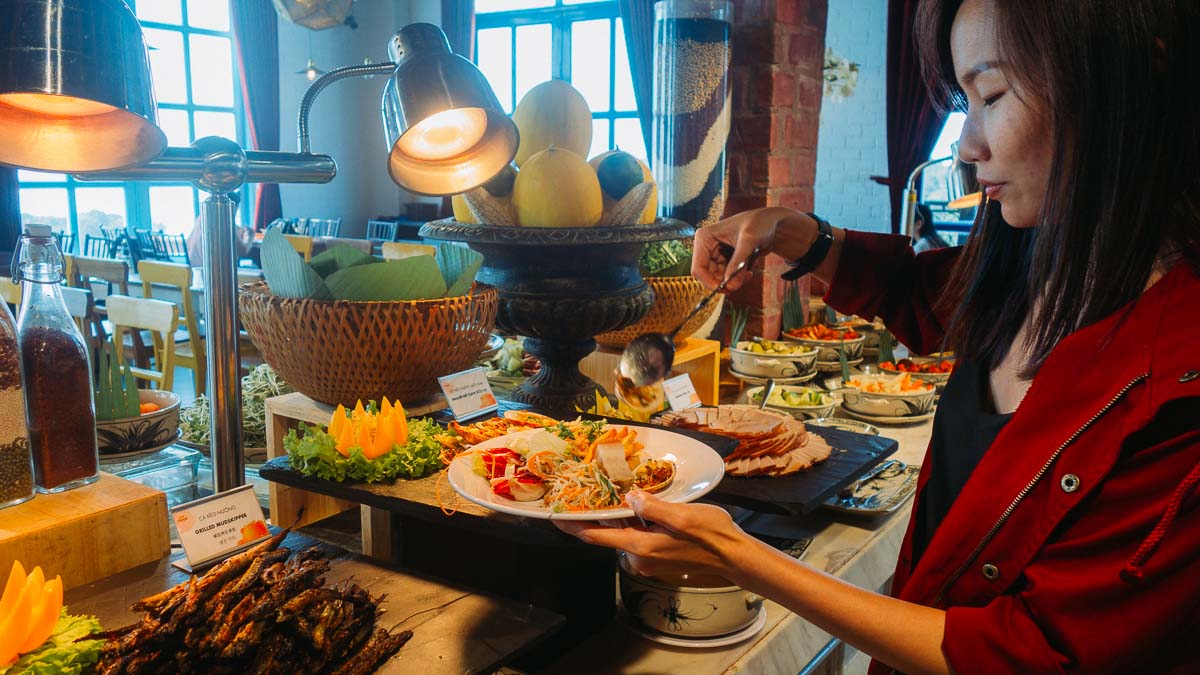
[[444, 125], [75, 87]]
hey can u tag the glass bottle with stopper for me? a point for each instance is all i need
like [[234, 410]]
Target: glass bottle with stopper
[[59, 410]]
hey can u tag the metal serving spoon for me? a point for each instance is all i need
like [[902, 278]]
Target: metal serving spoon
[[648, 357]]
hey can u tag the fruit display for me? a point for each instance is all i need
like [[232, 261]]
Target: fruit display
[[36, 633], [616, 171], [552, 113], [552, 184], [368, 443], [557, 188]]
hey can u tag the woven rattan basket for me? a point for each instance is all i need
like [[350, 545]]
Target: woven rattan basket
[[674, 297], [339, 351]]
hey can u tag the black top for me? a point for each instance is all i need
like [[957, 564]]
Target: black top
[[964, 428]]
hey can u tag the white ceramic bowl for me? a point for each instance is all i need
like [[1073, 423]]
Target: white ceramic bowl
[[827, 350], [755, 364], [887, 405], [938, 379], [700, 611], [144, 432], [753, 396]]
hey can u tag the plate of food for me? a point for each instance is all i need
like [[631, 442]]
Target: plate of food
[[582, 470]]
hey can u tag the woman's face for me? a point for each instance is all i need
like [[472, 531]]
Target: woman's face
[[1005, 134]]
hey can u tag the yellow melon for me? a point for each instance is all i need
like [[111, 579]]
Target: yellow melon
[[552, 113], [557, 188], [461, 213], [651, 211]]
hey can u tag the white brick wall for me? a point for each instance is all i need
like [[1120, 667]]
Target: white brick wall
[[852, 145]]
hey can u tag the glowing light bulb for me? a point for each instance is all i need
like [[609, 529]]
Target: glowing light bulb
[[55, 105], [445, 134], [311, 73]]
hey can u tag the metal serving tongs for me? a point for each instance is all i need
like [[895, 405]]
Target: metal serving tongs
[[649, 357]]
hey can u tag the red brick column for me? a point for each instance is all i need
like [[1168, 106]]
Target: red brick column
[[778, 58]]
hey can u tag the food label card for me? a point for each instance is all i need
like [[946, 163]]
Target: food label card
[[217, 526], [681, 393], [469, 393]]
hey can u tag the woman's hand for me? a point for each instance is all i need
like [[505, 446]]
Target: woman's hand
[[696, 537], [773, 229]]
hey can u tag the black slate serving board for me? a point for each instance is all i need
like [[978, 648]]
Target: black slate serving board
[[803, 492]]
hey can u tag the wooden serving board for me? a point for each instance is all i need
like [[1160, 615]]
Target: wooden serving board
[[87, 533], [455, 630]]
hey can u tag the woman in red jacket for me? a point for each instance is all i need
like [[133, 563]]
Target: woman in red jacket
[[1057, 522]]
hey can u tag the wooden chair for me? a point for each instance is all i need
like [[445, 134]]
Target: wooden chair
[[323, 227], [159, 318], [303, 245], [381, 229], [189, 347], [11, 294], [98, 247], [66, 242], [399, 250], [360, 244], [83, 309], [170, 247], [141, 247]]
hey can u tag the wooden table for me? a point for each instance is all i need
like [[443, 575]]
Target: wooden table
[[455, 630]]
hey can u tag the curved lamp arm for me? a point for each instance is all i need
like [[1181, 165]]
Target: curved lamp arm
[[327, 79], [908, 200]]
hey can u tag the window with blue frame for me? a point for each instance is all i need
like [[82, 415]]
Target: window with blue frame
[[192, 63], [939, 186], [521, 43]]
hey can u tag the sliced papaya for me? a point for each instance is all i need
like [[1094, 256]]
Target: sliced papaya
[[14, 627], [385, 438], [362, 436], [346, 439], [400, 425], [359, 411], [385, 408], [337, 421], [16, 580], [44, 616]]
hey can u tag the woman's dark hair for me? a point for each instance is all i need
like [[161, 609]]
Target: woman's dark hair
[[1117, 81], [928, 229]]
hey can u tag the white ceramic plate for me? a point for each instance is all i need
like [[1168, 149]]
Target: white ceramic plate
[[696, 643], [698, 469], [883, 419]]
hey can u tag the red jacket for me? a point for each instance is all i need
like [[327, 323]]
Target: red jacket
[[1075, 545]]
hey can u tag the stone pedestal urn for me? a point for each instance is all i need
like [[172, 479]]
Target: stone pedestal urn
[[560, 287]]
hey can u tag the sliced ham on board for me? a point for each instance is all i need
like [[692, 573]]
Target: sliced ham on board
[[770, 443]]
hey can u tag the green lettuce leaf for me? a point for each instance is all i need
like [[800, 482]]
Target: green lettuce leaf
[[313, 452], [66, 652]]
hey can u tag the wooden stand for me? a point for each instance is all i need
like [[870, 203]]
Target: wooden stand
[[87, 533], [701, 359]]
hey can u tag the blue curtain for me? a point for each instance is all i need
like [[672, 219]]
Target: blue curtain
[[256, 36], [638, 19]]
